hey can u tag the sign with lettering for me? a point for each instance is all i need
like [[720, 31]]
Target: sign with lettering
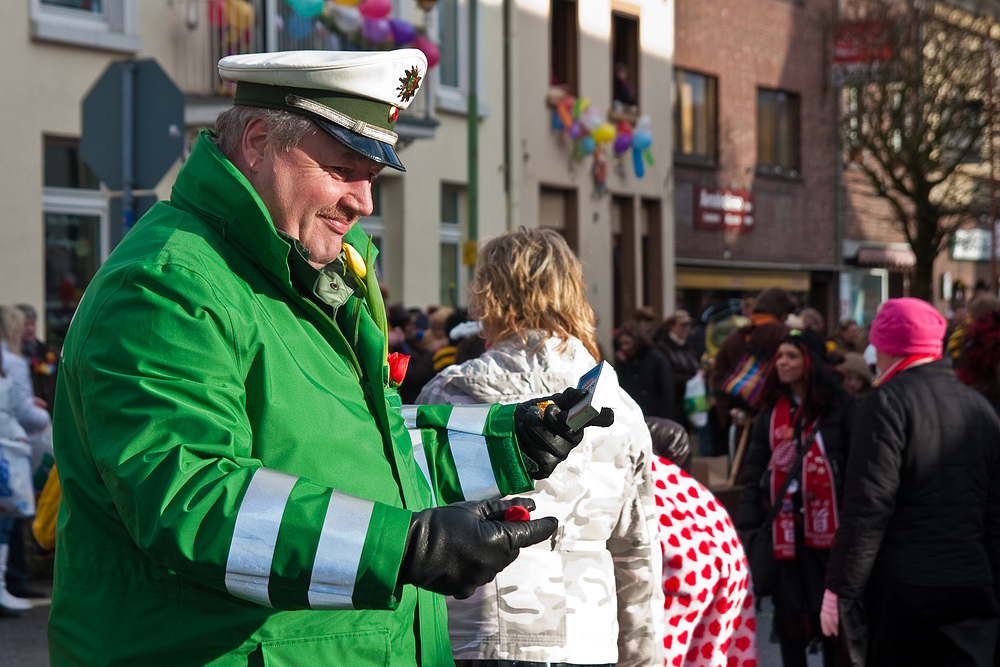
[[730, 210]]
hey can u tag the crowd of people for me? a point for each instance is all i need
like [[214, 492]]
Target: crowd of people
[[261, 463]]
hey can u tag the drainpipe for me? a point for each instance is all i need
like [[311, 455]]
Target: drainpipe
[[473, 120], [512, 153]]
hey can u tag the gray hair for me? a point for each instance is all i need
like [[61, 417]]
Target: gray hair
[[285, 129]]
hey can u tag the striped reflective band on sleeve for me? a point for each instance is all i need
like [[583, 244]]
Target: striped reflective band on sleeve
[[409, 415], [248, 567], [338, 554], [421, 456], [469, 450]]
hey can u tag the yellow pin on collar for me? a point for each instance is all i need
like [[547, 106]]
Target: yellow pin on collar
[[354, 261]]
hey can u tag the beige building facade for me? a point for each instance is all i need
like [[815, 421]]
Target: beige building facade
[[62, 222]]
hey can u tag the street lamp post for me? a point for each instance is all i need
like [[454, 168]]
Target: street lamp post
[[992, 150]]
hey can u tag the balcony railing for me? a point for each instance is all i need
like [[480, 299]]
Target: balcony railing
[[206, 30]]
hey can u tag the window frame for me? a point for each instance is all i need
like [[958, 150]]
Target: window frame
[[455, 99], [634, 60], [793, 171], [712, 159], [114, 29], [571, 31], [454, 233]]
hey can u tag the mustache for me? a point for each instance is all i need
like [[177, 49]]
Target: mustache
[[340, 213]]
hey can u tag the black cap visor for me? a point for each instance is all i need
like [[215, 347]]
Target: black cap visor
[[373, 149]]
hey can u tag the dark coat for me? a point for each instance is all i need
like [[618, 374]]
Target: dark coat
[[684, 363], [922, 493], [649, 380], [798, 594], [755, 501]]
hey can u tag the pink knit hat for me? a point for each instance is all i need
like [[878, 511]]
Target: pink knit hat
[[908, 326]]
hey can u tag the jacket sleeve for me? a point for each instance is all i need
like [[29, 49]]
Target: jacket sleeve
[[467, 452], [751, 512], [160, 383], [872, 480], [638, 565], [992, 521]]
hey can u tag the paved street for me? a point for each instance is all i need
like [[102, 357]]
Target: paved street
[[22, 640], [23, 644]]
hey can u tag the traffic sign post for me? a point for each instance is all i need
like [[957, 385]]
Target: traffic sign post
[[133, 128]]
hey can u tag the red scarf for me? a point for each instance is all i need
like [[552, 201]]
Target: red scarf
[[903, 364], [818, 494]]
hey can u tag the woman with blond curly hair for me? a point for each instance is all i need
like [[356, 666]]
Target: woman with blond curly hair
[[590, 596]]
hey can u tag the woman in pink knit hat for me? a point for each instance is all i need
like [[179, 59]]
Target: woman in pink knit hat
[[919, 538]]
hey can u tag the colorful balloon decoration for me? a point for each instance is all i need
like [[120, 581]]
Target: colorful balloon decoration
[[240, 15], [591, 133], [430, 49], [344, 19], [347, 18], [375, 9], [217, 14], [299, 27], [375, 30], [306, 8], [402, 32]]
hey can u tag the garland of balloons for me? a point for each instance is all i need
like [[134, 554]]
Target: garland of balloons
[[590, 131], [344, 18], [370, 17]]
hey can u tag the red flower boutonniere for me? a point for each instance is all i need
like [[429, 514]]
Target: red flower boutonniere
[[398, 363]]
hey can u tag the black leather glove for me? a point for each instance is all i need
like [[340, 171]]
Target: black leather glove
[[545, 439], [455, 549]]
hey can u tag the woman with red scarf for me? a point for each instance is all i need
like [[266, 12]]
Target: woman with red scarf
[[801, 433], [913, 575]]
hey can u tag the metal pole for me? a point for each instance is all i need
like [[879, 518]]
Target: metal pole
[[128, 129], [473, 156], [990, 137]]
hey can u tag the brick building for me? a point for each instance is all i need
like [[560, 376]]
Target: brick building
[[755, 164]]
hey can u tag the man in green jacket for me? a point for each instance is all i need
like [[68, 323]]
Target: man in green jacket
[[240, 484]]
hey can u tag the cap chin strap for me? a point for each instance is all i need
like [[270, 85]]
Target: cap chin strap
[[334, 116]]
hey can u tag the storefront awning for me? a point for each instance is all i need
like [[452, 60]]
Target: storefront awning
[[893, 258], [738, 279]]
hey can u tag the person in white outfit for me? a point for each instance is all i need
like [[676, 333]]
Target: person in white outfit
[[34, 418], [10, 429], [589, 596]]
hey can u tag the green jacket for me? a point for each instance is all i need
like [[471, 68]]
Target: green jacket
[[237, 477]]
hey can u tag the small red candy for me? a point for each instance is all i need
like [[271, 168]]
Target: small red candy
[[516, 513]]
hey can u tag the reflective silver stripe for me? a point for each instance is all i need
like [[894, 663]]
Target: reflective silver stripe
[[468, 448], [248, 567], [342, 119], [409, 415], [472, 463], [421, 456], [469, 418], [338, 553]]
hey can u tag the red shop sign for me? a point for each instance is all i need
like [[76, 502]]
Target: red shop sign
[[731, 210]]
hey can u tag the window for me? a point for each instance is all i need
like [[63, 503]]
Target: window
[[63, 166], [452, 34], [448, 31], [695, 116], [625, 60], [102, 24], [777, 132], [452, 219], [557, 209], [563, 59], [75, 222]]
